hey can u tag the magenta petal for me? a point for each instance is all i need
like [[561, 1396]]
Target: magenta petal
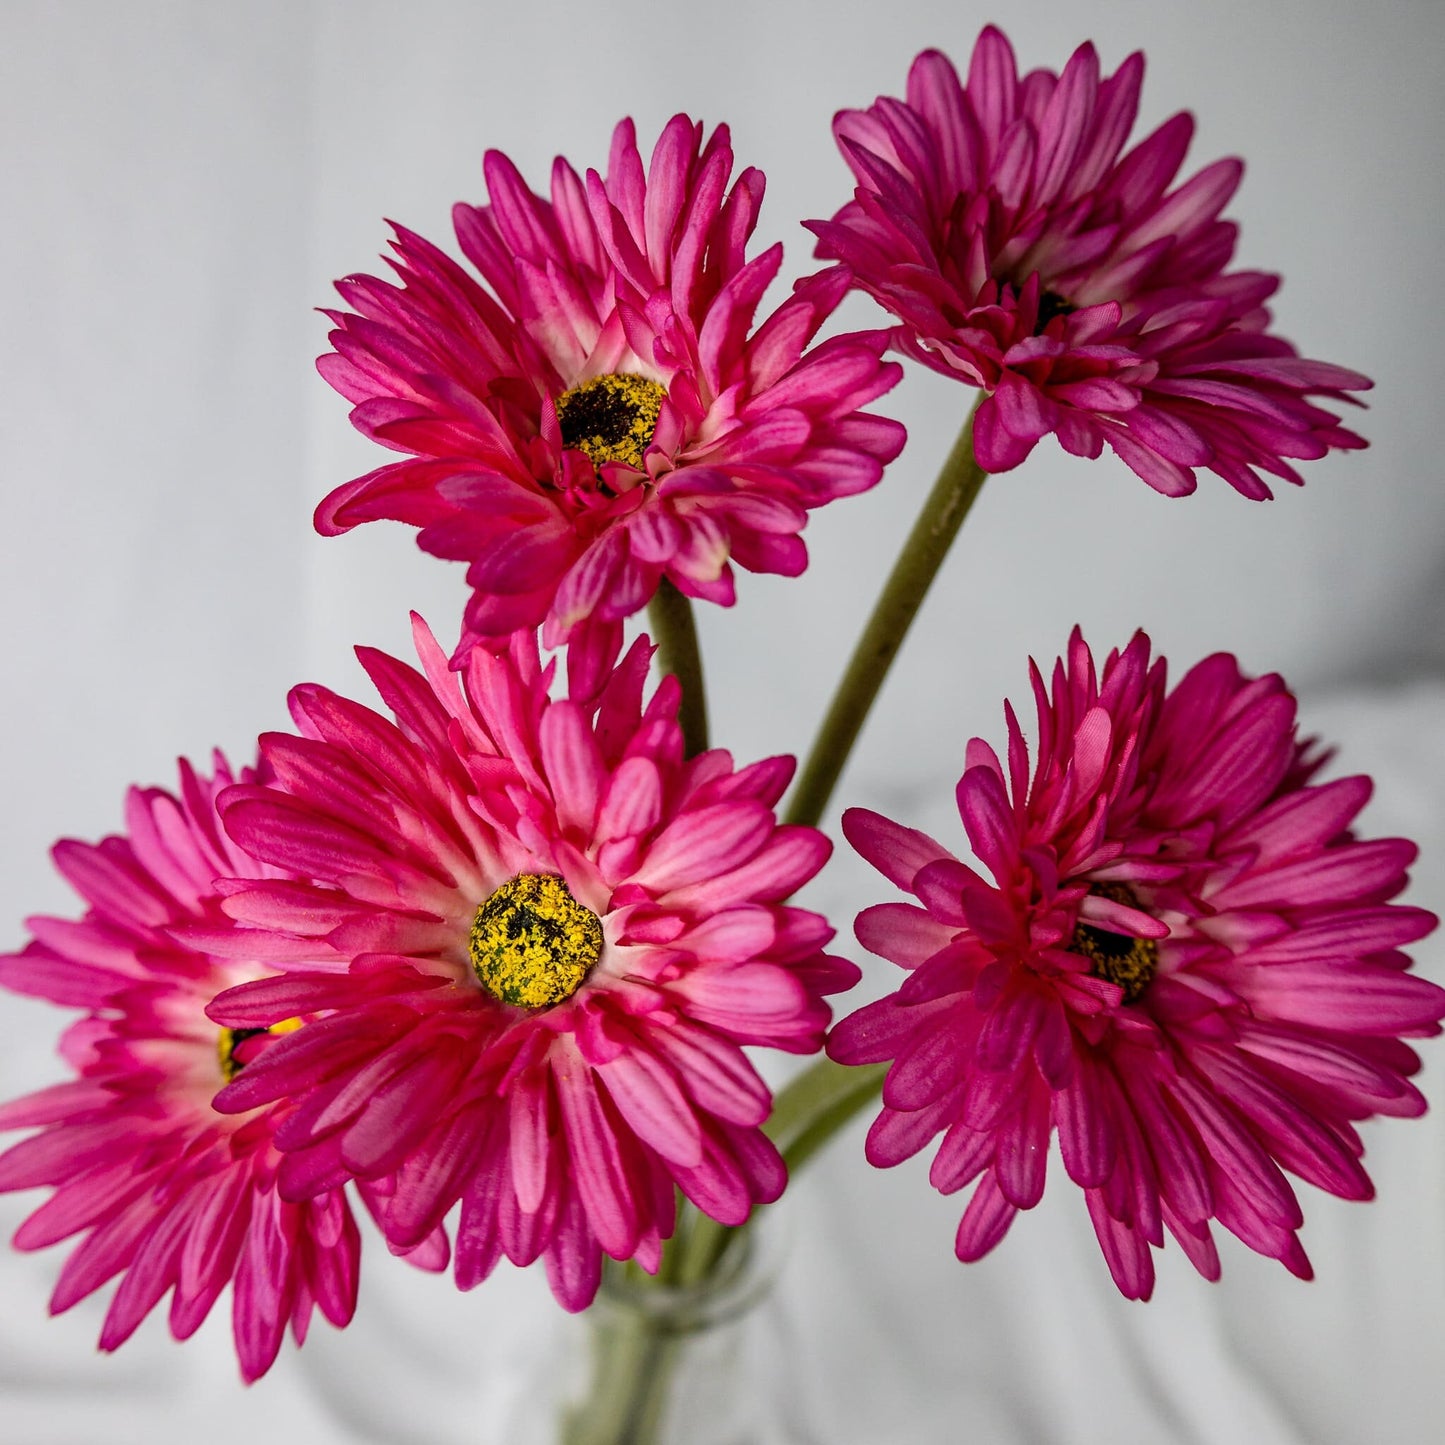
[[996, 447], [574, 1263], [898, 1134], [906, 934], [897, 852], [717, 1074], [988, 820], [1125, 1251], [984, 1222], [1022, 1150], [776, 870], [649, 1098], [600, 1172], [719, 1186], [705, 843], [874, 1033], [1086, 1132], [962, 1156]]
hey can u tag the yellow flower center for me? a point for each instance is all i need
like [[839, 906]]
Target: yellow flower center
[[611, 418], [230, 1046], [532, 943], [1124, 961]]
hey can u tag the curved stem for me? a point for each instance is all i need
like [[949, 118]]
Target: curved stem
[[806, 1114], [826, 1095], [817, 1103], [673, 630], [948, 503]]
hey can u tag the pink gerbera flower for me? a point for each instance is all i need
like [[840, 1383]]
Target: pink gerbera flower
[[546, 937], [1186, 963], [1021, 254], [167, 1193], [606, 414]]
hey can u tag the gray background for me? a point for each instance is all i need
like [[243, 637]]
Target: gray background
[[181, 183]]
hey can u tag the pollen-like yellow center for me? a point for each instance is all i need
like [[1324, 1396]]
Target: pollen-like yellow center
[[611, 418], [232, 1040], [532, 943], [1127, 962]]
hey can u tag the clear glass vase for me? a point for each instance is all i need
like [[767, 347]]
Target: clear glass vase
[[703, 1364]]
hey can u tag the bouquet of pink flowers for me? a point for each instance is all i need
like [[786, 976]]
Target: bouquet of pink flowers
[[486, 953]]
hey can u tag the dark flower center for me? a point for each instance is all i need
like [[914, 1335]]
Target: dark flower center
[[1127, 962], [235, 1048], [532, 943], [1051, 305], [611, 418]]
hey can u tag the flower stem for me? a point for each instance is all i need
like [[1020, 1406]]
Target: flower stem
[[642, 1333], [817, 1103], [631, 1371], [807, 1113], [670, 616], [826, 1095], [948, 503]]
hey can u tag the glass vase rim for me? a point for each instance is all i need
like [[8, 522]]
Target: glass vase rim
[[744, 1276]]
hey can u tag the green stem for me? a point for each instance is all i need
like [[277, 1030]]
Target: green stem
[[703, 1247], [948, 503], [806, 1114], [673, 630], [631, 1372], [825, 1096], [817, 1103], [641, 1333]]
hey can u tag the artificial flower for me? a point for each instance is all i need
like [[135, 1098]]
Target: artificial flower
[[603, 413], [542, 937], [1082, 290], [168, 1194], [1186, 963]]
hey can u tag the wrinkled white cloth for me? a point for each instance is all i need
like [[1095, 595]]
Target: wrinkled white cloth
[[182, 183]]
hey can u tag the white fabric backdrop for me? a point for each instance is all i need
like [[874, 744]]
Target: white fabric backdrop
[[183, 180]]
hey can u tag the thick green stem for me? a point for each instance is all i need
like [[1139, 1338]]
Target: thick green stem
[[675, 633], [917, 565]]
